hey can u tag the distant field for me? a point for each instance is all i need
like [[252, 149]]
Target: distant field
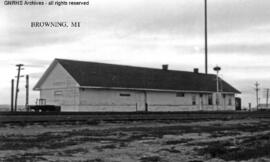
[[4, 107], [7, 107], [148, 141]]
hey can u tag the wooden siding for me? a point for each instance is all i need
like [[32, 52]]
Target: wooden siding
[[111, 100], [60, 88]]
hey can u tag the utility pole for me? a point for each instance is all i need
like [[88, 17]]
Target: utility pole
[[267, 97], [12, 95], [17, 85], [205, 36], [257, 93], [217, 69], [27, 93]]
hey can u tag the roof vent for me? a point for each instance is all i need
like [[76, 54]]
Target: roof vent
[[165, 67], [196, 70]]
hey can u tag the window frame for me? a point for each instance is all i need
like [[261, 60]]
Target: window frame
[[180, 94], [58, 93], [124, 94]]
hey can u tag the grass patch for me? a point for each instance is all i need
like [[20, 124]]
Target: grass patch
[[108, 146], [70, 152], [171, 150], [248, 148], [216, 134], [94, 160], [62, 139], [244, 149], [93, 122], [175, 142], [27, 157], [45, 140], [150, 159]]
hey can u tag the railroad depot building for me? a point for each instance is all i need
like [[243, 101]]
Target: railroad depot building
[[91, 86]]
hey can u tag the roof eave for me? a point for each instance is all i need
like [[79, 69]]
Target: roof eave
[[45, 74], [49, 69], [148, 89]]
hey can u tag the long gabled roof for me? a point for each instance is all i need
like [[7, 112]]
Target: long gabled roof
[[92, 74]]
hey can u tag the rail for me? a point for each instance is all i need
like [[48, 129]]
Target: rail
[[7, 117]]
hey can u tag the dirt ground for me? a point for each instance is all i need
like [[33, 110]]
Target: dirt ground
[[145, 141]]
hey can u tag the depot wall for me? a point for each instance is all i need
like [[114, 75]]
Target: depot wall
[[120, 100], [60, 88]]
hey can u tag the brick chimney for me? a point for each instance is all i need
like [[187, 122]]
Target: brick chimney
[[196, 70], [165, 67]]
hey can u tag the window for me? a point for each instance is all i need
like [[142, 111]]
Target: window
[[210, 99], [193, 100], [83, 89], [58, 93], [180, 94], [124, 94]]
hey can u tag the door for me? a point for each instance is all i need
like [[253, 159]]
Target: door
[[141, 101], [201, 101]]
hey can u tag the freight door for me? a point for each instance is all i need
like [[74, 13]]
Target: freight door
[[201, 102], [141, 101], [237, 103]]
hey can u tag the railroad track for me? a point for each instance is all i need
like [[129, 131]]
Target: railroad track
[[10, 117]]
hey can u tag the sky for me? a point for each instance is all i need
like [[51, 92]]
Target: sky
[[141, 33]]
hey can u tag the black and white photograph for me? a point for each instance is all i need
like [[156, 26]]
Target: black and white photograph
[[134, 81]]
